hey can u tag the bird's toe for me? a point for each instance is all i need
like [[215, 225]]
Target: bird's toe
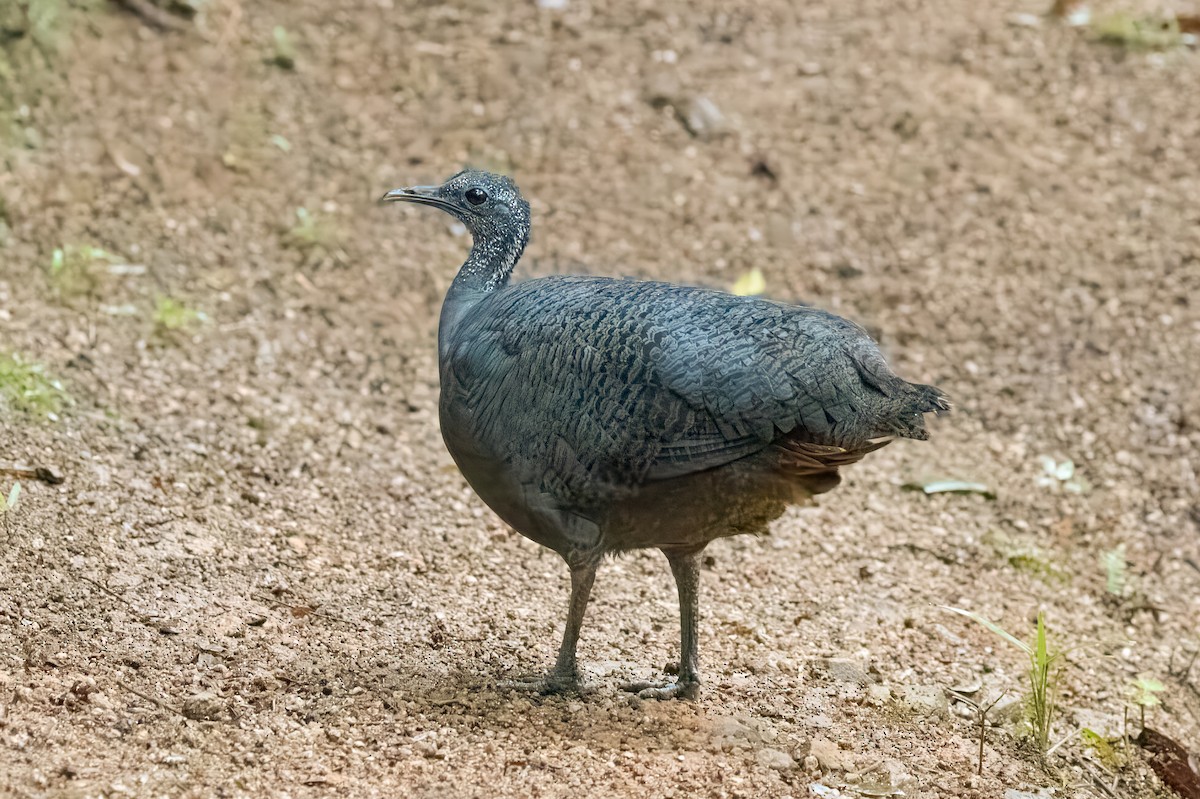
[[549, 683], [689, 690]]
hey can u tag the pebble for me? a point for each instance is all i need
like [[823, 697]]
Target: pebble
[[203, 707], [1007, 711], [1108, 725], [829, 755], [923, 700], [730, 732], [879, 694], [773, 758], [842, 670], [703, 119]]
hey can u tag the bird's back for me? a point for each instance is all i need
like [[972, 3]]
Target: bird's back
[[564, 396]]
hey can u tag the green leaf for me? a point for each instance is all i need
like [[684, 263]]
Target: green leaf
[[1041, 655], [1143, 691], [1104, 747], [9, 504]]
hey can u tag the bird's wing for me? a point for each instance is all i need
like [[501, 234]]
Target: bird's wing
[[593, 386], [757, 371]]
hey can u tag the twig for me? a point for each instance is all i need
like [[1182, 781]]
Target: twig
[[153, 15], [153, 699], [1065, 738], [105, 589], [311, 611], [1090, 768], [144, 618], [982, 711], [48, 476]]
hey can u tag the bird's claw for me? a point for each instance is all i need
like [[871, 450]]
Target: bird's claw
[[676, 690], [549, 683]]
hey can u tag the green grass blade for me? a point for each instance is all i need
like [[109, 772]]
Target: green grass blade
[[996, 628]]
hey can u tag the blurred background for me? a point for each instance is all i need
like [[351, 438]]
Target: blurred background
[[240, 559]]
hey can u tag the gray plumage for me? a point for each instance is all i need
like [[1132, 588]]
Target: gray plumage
[[597, 415]]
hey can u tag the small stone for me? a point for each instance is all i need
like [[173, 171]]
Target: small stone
[[811, 764], [773, 758], [1007, 711], [895, 774], [14, 20], [923, 700], [879, 694], [829, 755], [843, 670], [203, 707], [730, 732], [1025, 20], [1107, 725], [703, 119], [664, 89]]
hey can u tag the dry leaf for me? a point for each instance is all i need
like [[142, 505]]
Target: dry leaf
[[1171, 762], [1188, 23], [750, 284]]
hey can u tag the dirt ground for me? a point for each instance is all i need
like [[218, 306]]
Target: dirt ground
[[262, 574]]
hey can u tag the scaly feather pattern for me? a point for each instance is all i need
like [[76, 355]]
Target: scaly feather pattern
[[614, 383], [598, 415]]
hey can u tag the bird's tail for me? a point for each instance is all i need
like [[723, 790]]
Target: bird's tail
[[918, 400], [931, 399]]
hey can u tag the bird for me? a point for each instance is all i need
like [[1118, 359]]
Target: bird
[[600, 415]]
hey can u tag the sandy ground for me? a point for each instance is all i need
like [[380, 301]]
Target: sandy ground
[[262, 574]]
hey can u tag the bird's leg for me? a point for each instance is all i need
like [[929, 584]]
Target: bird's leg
[[565, 674], [686, 568], [583, 574]]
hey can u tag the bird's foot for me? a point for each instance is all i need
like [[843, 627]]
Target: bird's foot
[[552, 682], [682, 689]]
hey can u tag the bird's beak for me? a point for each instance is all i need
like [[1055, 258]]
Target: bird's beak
[[423, 195]]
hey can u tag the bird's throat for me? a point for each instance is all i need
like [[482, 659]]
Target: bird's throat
[[491, 262]]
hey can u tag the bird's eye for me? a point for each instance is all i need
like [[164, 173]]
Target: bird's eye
[[476, 196]]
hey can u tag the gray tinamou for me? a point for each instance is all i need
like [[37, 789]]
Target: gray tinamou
[[597, 415]]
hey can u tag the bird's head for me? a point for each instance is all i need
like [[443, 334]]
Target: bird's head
[[489, 205]]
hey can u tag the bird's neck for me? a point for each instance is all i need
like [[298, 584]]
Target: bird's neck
[[487, 269], [491, 262]]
